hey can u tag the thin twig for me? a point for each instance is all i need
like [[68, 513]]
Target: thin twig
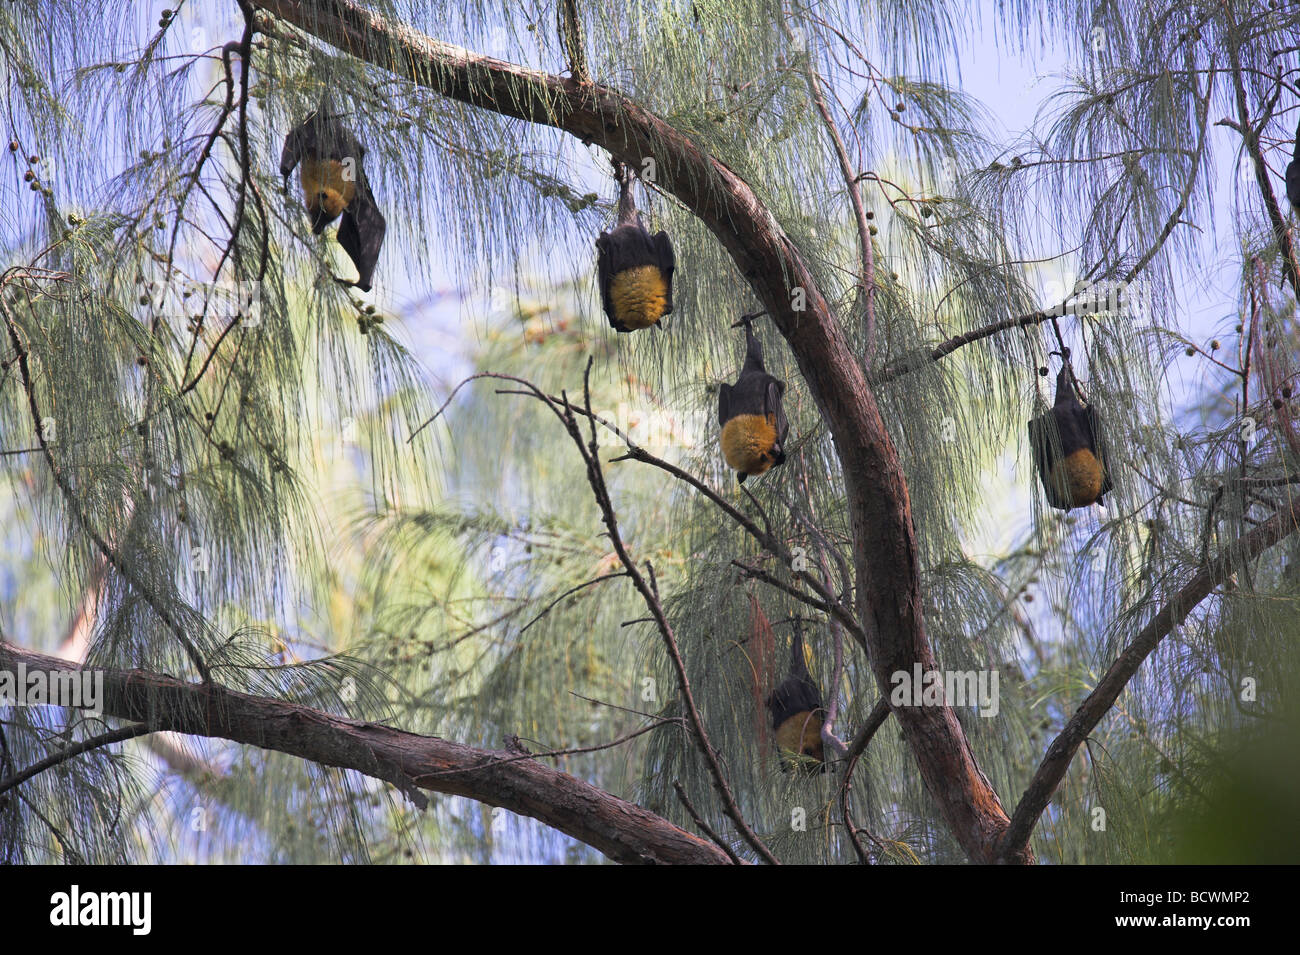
[[68, 752], [703, 826], [571, 590], [867, 280], [875, 719], [550, 753]]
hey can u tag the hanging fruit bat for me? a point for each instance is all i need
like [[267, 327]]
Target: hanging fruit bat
[[635, 268], [798, 715], [333, 184], [1293, 175], [1068, 449], [753, 422]]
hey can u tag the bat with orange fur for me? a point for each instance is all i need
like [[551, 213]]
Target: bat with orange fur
[[798, 715], [634, 268], [754, 425], [334, 184], [1069, 449]]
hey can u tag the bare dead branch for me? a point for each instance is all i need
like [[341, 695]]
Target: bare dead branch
[[703, 826], [569, 592]]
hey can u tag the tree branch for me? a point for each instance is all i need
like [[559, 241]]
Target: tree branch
[[942, 350], [76, 749], [649, 590], [621, 830], [829, 603], [78, 512], [1060, 754], [1250, 143], [704, 827], [875, 719]]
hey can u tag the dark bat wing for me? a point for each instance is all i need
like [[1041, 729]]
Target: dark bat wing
[[749, 395], [1054, 436], [724, 398], [1098, 444], [793, 695], [1074, 427], [319, 138], [632, 246], [1044, 441], [1293, 174], [332, 140], [774, 391], [300, 142], [361, 233], [667, 261], [605, 275], [1039, 445]]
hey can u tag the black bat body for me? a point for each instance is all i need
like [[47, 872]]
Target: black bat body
[[1293, 175], [634, 268], [753, 422], [1069, 451], [798, 715], [334, 184]]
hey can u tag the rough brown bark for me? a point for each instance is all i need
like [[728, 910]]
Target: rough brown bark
[[621, 830], [884, 543]]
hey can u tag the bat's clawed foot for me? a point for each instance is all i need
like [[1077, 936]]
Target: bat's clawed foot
[[351, 283]]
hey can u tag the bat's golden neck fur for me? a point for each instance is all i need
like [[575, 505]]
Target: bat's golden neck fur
[[1081, 475], [325, 190], [747, 442], [801, 735], [639, 296]]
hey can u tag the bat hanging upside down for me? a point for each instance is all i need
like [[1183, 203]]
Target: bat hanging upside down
[[753, 422], [798, 715], [333, 184], [1069, 449], [635, 268]]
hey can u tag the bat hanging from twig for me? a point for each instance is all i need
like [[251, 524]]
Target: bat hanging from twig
[[334, 184]]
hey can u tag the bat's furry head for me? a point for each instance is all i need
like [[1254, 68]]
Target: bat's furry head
[[327, 190]]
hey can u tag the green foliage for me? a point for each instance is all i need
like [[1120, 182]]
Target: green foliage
[[253, 475]]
